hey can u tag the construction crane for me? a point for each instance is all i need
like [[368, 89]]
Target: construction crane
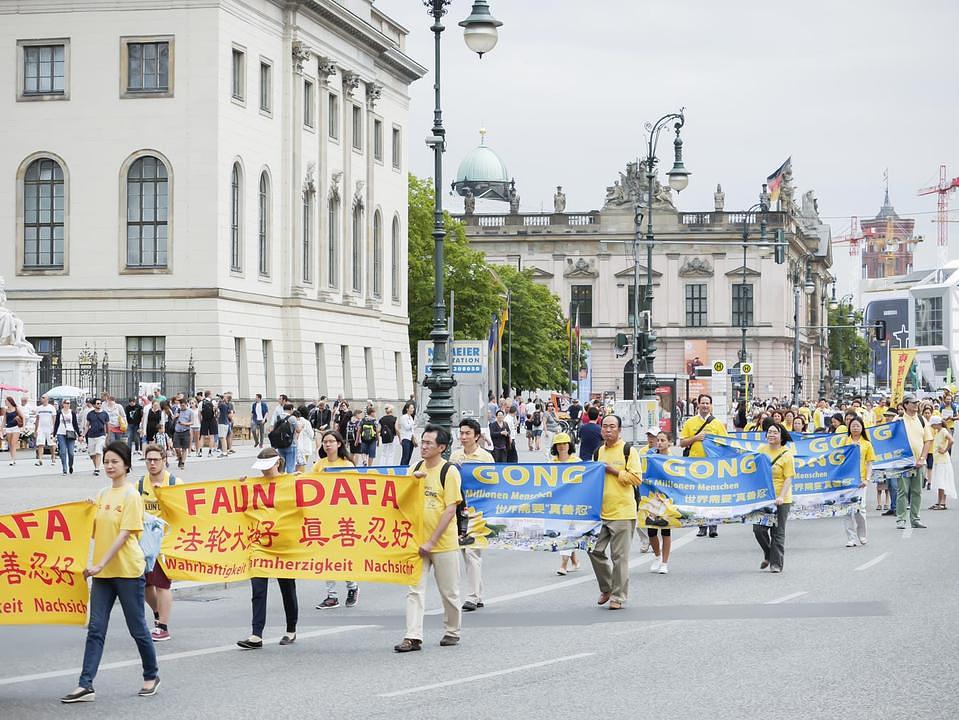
[[851, 238], [943, 189]]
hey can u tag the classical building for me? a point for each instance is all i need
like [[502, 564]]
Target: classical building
[[704, 290], [888, 242], [221, 184]]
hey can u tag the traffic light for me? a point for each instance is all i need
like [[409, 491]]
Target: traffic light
[[880, 330], [621, 344], [780, 247], [650, 353]]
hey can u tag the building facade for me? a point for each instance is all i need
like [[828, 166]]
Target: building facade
[[704, 290], [216, 183], [888, 242]]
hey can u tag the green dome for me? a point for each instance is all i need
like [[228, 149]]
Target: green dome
[[482, 165]]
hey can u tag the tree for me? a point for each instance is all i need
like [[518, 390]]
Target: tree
[[848, 351]]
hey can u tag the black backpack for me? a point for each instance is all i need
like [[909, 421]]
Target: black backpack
[[282, 434], [206, 410], [368, 431], [537, 418], [462, 516]]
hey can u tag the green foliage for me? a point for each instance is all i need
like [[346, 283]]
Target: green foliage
[[848, 350]]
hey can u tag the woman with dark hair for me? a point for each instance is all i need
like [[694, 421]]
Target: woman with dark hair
[[407, 428], [836, 423], [799, 424], [772, 540], [117, 573], [500, 435], [12, 426], [660, 562], [855, 522], [740, 420], [66, 429]]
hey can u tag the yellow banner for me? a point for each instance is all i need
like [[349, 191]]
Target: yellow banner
[[42, 556], [356, 526], [900, 362]]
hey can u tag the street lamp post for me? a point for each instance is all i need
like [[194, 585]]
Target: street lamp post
[[480, 33], [762, 207], [802, 282]]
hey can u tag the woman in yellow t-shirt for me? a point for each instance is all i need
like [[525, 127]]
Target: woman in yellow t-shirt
[[560, 452], [773, 539], [117, 573], [855, 521], [943, 480], [660, 563]]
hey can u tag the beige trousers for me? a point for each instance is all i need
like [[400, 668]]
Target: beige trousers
[[613, 572], [474, 574], [446, 570]]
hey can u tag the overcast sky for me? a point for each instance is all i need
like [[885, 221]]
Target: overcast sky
[[846, 88]]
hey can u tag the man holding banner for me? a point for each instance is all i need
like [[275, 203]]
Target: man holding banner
[[691, 439], [910, 484]]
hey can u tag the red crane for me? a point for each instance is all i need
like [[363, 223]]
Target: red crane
[[852, 238], [943, 189]]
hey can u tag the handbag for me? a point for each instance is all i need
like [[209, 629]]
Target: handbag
[[70, 434]]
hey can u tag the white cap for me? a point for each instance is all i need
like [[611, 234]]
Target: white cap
[[936, 420], [265, 463]]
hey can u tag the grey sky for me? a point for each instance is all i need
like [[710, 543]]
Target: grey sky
[[846, 87]]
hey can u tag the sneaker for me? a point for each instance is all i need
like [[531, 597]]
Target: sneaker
[[449, 641], [251, 643], [351, 596], [862, 541], [775, 569], [79, 695], [764, 564], [850, 543], [288, 639], [95, 472], [150, 691], [408, 646], [469, 606], [900, 524], [331, 602], [889, 513], [664, 569], [656, 565], [918, 524], [645, 548], [713, 534], [159, 635]]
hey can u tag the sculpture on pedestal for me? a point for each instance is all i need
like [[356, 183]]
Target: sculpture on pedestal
[[11, 327], [559, 200]]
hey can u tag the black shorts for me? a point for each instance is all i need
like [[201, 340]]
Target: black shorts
[[208, 427], [929, 461], [655, 531], [181, 440]]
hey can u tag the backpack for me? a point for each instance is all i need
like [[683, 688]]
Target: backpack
[[140, 486], [368, 431], [281, 436], [537, 418], [206, 410], [462, 516]]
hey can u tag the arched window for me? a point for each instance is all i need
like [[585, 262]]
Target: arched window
[[236, 210], [395, 259], [358, 248], [333, 223], [43, 214], [308, 237], [377, 255], [147, 213], [263, 227]]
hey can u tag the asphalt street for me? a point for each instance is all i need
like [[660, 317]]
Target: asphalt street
[[865, 632]]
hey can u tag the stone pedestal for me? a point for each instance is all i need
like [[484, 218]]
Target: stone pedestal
[[18, 368]]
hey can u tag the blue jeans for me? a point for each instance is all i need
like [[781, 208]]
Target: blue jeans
[[65, 448], [407, 452], [133, 437], [289, 458], [893, 482], [103, 596], [256, 429]]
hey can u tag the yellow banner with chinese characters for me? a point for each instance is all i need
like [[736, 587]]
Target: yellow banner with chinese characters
[[363, 527], [42, 556], [901, 360]]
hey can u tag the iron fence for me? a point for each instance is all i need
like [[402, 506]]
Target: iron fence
[[121, 383]]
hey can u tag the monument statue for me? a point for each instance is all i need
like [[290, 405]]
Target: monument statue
[[11, 327], [719, 198], [786, 192], [513, 199], [469, 202], [559, 200], [632, 188]]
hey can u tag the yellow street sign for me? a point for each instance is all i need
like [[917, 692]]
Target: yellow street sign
[[719, 366], [746, 369]]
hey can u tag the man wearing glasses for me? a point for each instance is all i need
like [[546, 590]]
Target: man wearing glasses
[[97, 421]]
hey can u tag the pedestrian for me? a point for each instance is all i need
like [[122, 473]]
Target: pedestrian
[[43, 436], [352, 436], [66, 429], [195, 426], [470, 434], [537, 427], [618, 514], [12, 426], [660, 563], [342, 417], [181, 433], [321, 417], [926, 412], [500, 435], [943, 480], [910, 483], [283, 437], [551, 423], [134, 417], [772, 540], [231, 416], [799, 425], [388, 437], [158, 594], [271, 465], [97, 421], [304, 441], [590, 434], [441, 495], [223, 426], [407, 432], [369, 436], [562, 452], [117, 573], [207, 423], [258, 413], [855, 521], [691, 437]]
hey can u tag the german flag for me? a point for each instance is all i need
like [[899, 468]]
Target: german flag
[[774, 182]]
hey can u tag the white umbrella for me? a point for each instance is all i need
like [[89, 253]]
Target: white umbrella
[[66, 391]]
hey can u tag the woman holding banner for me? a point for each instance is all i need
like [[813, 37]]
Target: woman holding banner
[[660, 563], [773, 539], [855, 521], [336, 455], [560, 452], [943, 481], [117, 573]]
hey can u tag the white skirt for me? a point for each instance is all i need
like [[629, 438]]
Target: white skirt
[[943, 479]]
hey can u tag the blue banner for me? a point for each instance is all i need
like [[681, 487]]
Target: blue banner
[[534, 506]]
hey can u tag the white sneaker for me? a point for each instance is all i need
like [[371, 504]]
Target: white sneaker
[[664, 569], [657, 564], [851, 543], [862, 541], [645, 548]]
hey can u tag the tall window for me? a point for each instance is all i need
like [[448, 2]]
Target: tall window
[[357, 248], [43, 214], [263, 227], [332, 245], [266, 87], [742, 305], [929, 321], [44, 70], [378, 140], [581, 301], [645, 303], [357, 128], [397, 148], [239, 74], [147, 213], [696, 305], [377, 255], [308, 237], [395, 259], [235, 213], [146, 352], [333, 113], [308, 103], [148, 67]]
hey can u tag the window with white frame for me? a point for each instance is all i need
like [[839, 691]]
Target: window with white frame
[[44, 68], [308, 103], [397, 148], [148, 201], [395, 259], [357, 127], [263, 226], [148, 66], [378, 140], [333, 116], [332, 245], [377, 255], [239, 75], [357, 254], [43, 215], [266, 87], [236, 211]]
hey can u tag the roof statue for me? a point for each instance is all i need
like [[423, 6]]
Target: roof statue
[[559, 200], [719, 198], [632, 188]]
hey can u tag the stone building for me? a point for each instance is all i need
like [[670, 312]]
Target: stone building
[[223, 183]]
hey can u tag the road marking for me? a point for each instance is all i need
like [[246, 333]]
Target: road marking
[[907, 532], [484, 676], [643, 559], [787, 598], [178, 655], [875, 561]]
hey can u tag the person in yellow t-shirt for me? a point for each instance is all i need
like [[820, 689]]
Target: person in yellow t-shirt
[[909, 494], [943, 479], [441, 495], [691, 437], [117, 573], [335, 456], [470, 435], [618, 513], [773, 539], [561, 452], [855, 522]]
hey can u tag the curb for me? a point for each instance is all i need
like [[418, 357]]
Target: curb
[[187, 588]]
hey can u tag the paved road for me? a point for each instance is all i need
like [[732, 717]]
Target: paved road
[[867, 632]]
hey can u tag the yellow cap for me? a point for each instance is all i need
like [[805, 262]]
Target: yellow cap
[[562, 438]]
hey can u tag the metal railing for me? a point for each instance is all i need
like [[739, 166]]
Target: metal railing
[[121, 383]]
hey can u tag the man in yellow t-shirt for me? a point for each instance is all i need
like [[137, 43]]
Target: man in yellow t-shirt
[[691, 439], [441, 495], [471, 452], [618, 514], [919, 433]]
